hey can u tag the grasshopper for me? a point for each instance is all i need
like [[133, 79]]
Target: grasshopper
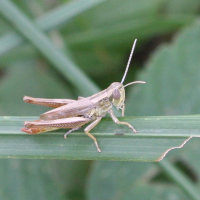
[[76, 113]]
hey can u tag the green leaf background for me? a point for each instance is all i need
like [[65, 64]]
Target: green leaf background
[[98, 40]]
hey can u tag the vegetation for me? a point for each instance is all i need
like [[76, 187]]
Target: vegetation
[[66, 49]]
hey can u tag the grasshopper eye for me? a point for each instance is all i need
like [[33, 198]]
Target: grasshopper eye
[[116, 94]]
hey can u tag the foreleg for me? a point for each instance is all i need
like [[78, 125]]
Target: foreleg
[[114, 118]]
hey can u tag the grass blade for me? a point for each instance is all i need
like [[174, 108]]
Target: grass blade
[[49, 21], [47, 48], [155, 137], [179, 178]]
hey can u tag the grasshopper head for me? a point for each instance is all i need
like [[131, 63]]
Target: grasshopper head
[[117, 96]]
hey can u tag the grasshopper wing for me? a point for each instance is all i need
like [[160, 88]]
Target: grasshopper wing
[[54, 103], [74, 109]]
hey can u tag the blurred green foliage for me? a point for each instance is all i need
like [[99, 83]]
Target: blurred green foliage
[[98, 40]]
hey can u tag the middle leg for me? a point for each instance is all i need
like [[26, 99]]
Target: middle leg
[[89, 128]]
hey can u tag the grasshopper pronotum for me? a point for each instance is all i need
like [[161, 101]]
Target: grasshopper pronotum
[[74, 114]]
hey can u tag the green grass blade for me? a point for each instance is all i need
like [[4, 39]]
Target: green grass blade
[[155, 137], [179, 178], [64, 13], [115, 32], [49, 21], [47, 48]]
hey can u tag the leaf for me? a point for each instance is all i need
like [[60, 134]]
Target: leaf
[[31, 81], [41, 179], [46, 47], [25, 176], [155, 137], [111, 184], [49, 21], [172, 79]]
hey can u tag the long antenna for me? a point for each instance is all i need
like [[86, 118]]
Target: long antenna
[[129, 60], [133, 83]]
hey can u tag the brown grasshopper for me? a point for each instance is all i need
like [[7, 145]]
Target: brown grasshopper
[[76, 113]]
